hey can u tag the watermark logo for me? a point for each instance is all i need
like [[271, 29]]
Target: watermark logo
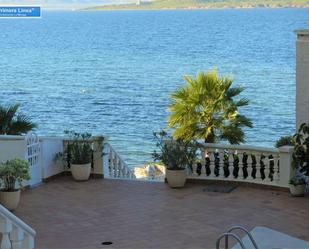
[[20, 11]]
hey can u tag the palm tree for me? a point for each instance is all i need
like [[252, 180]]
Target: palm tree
[[12, 123], [205, 108]]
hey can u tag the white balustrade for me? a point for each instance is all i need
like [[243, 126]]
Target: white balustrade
[[115, 167], [268, 166], [15, 233]]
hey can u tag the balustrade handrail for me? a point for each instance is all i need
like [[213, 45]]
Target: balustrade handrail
[[240, 147], [119, 157], [113, 154], [16, 221], [243, 163]]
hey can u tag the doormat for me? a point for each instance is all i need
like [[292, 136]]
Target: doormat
[[220, 188]]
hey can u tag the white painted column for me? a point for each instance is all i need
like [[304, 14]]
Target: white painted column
[[98, 167], [285, 168], [302, 77]]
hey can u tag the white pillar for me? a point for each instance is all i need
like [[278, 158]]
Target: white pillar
[[285, 169], [98, 143], [302, 77]]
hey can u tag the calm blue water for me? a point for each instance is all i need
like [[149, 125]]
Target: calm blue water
[[112, 72]]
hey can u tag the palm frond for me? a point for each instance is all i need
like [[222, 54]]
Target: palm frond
[[233, 134], [242, 121], [21, 125], [234, 91], [242, 102], [12, 123]]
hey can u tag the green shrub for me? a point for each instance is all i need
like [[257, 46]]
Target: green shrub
[[175, 154], [13, 171], [284, 141], [298, 179], [78, 149]]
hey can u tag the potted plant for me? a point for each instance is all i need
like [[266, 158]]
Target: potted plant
[[298, 184], [300, 160], [176, 155], [12, 172], [78, 154], [301, 149]]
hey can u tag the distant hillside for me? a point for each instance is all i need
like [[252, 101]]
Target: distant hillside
[[206, 4]]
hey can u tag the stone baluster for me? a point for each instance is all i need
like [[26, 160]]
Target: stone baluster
[[120, 167], [276, 169], [244, 162], [269, 167], [5, 229], [130, 174], [221, 164], [249, 169], [125, 172], [123, 169], [212, 163], [111, 162], [28, 242], [240, 166], [231, 167], [216, 163], [118, 163], [203, 161], [235, 172], [207, 156], [226, 163], [17, 237], [258, 168], [266, 167], [115, 166], [263, 166]]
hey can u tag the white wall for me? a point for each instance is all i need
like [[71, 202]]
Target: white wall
[[10, 149], [302, 77], [50, 146], [13, 147]]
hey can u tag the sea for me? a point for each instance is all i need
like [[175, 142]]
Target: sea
[[112, 72]]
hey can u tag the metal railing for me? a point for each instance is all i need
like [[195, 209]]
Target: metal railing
[[229, 233]]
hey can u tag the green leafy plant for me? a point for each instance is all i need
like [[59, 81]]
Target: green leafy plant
[[13, 171], [301, 149], [78, 149], [175, 154], [298, 179], [285, 141], [205, 108], [13, 123]]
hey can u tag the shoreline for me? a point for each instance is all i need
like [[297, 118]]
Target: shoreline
[[136, 7]]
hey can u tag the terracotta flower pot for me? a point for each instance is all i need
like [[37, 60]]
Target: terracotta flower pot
[[10, 200], [81, 172], [298, 190], [176, 178]]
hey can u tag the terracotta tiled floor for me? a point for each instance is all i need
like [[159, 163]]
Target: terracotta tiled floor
[[75, 215]]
